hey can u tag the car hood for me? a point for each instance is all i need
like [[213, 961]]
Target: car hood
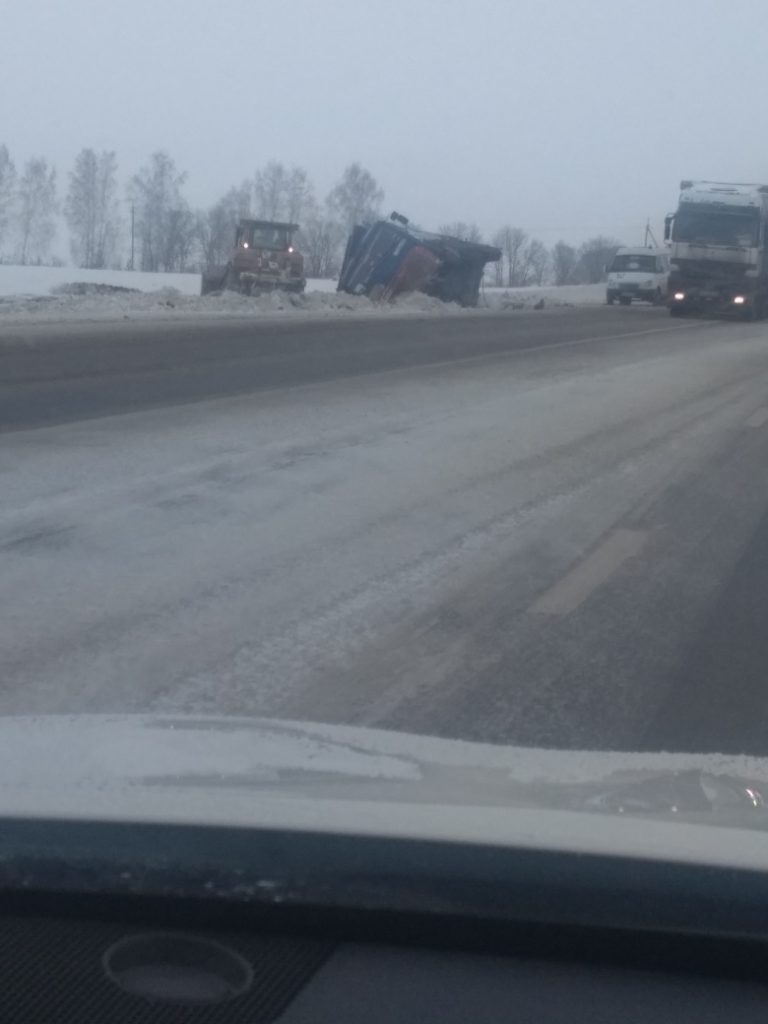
[[255, 773]]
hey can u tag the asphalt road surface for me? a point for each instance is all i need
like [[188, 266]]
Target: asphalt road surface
[[541, 528]]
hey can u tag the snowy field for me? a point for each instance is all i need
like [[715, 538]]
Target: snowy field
[[39, 294], [18, 281]]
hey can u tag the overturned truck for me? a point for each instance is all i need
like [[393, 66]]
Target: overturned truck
[[390, 257]]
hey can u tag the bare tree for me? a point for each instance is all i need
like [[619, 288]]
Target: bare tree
[[164, 226], [269, 191], [564, 261], [512, 242], [7, 192], [210, 232], [458, 229], [215, 227], [496, 270], [299, 196], [594, 256], [179, 238], [322, 241], [357, 198], [517, 269], [91, 208], [536, 262], [36, 210]]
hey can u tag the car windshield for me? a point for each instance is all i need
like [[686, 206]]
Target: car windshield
[[323, 408], [624, 262], [700, 224]]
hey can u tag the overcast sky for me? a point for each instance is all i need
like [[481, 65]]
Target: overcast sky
[[567, 117]]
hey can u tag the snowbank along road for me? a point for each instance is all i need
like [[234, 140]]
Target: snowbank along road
[[544, 528], [29, 294]]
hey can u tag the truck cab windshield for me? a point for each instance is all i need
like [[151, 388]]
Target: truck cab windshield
[[716, 226], [268, 238], [646, 264]]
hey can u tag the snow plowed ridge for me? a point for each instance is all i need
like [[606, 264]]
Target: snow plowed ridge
[[169, 303], [44, 294]]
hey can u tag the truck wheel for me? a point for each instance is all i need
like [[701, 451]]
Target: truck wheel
[[625, 300], [676, 311], [658, 298]]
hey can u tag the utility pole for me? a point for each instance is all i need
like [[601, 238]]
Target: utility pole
[[133, 235], [649, 234]]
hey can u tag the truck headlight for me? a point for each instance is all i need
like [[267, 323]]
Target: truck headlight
[[679, 296], [739, 300]]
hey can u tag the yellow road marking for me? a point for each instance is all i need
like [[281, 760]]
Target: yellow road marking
[[577, 585]]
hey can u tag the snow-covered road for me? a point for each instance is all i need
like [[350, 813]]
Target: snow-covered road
[[444, 548]]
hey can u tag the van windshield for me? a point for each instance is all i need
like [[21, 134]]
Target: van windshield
[[627, 262]]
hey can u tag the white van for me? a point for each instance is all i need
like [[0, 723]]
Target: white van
[[638, 274]]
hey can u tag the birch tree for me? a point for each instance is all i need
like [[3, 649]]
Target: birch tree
[[36, 210], [91, 208]]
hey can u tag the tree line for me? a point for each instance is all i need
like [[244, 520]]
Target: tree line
[[155, 228], [152, 226], [527, 261]]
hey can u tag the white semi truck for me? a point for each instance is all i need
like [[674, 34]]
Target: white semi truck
[[719, 249]]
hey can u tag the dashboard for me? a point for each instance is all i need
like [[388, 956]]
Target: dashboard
[[93, 932]]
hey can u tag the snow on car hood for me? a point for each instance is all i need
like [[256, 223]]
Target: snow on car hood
[[272, 774]]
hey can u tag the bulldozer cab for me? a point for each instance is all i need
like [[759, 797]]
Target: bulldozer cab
[[264, 234]]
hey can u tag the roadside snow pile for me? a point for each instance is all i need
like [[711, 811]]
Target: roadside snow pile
[[54, 294], [549, 295], [89, 288], [81, 301]]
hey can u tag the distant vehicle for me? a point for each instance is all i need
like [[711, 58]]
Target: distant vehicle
[[719, 237], [264, 258], [640, 273]]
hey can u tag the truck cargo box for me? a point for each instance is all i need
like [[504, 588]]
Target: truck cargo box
[[389, 257]]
